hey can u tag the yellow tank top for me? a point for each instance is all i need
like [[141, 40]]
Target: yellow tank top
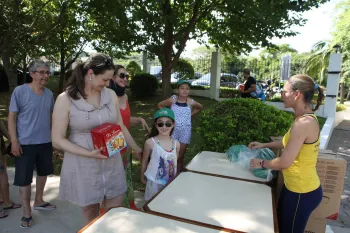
[[302, 176]]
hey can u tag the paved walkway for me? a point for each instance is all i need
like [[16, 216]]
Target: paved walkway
[[340, 143], [66, 218]]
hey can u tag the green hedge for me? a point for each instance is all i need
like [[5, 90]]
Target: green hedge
[[229, 92], [240, 121], [133, 68], [340, 107], [143, 84]]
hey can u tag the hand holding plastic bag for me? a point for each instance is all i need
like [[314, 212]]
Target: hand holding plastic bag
[[242, 155]]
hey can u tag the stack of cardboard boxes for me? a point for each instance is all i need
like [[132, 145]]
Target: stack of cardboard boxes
[[331, 169]]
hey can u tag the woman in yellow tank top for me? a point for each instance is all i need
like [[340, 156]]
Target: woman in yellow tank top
[[302, 192]]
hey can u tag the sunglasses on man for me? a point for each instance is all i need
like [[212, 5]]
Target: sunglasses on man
[[167, 124], [123, 75]]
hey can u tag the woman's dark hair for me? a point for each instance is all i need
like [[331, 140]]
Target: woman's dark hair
[[306, 85], [154, 131], [118, 67], [99, 63], [246, 71]]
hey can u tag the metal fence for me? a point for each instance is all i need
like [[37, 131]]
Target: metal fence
[[263, 70], [201, 71]]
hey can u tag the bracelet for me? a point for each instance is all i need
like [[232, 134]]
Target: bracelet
[[262, 164]]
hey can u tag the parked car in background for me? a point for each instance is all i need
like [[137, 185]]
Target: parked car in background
[[197, 75], [226, 80], [156, 71], [176, 76]]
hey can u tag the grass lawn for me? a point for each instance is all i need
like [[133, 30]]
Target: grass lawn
[[146, 108], [139, 108]]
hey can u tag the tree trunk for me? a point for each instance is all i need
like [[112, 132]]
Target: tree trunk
[[22, 78], [166, 86], [348, 95], [10, 70], [62, 64], [342, 93]]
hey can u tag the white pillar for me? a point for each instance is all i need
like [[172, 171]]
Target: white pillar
[[215, 72], [145, 64], [333, 79]]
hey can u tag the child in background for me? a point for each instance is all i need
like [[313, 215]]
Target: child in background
[[184, 109], [164, 152]]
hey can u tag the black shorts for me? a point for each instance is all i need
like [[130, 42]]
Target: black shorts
[[40, 156]]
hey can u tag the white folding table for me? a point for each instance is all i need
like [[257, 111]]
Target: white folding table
[[123, 220], [217, 164], [219, 203]]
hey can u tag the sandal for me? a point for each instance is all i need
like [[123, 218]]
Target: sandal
[[46, 206], [28, 221], [3, 214], [13, 206]]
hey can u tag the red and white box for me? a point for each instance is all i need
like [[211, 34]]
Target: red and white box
[[110, 138]]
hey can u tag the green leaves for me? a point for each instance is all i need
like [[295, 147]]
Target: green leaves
[[240, 121], [143, 85]]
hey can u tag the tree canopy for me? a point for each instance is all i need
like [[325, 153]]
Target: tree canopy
[[162, 28]]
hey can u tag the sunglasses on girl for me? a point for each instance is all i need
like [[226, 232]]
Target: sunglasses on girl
[[123, 75], [167, 124]]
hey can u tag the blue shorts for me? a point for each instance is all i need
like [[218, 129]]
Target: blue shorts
[[182, 134]]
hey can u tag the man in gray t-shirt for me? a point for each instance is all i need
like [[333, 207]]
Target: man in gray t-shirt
[[29, 122]]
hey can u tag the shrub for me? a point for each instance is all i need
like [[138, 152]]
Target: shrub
[[143, 84], [340, 107], [240, 121], [276, 98], [174, 86], [133, 68], [200, 87], [229, 92], [185, 69]]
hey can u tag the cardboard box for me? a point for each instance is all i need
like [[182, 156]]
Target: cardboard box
[[279, 184], [277, 152], [331, 169], [316, 225], [110, 138]]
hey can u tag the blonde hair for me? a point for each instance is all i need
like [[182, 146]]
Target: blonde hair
[[306, 85]]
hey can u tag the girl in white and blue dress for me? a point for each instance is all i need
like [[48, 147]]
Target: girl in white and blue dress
[[184, 109], [164, 151]]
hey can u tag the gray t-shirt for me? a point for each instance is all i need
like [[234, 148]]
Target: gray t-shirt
[[33, 114]]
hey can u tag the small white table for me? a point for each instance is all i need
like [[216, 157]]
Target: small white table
[[217, 164], [223, 204], [123, 220]]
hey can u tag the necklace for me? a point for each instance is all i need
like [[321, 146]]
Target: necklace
[[172, 148]]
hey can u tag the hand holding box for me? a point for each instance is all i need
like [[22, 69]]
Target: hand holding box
[[110, 138]]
